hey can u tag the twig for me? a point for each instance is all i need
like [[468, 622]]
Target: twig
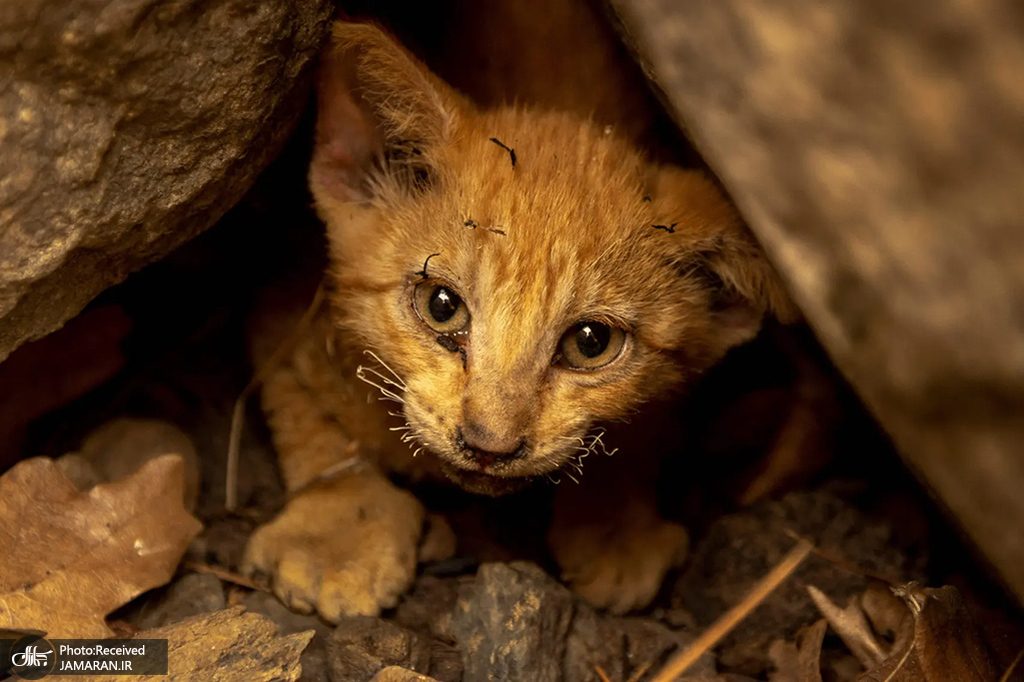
[[639, 672], [900, 664], [238, 413], [1013, 666], [602, 674], [839, 562], [731, 618], [225, 575], [353, 462]]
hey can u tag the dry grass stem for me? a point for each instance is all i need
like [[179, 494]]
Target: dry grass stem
[[238, 413], [899, 665], [736, 614], [1013, 666], [640, 672], [224, 574]]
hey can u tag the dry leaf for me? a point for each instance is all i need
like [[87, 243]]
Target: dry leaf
[[70, 558], [119, 447], [222, 646], [946, 646], [799, 661], [852, 627], [887, 613]]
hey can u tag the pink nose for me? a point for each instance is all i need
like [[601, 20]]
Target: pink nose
[[482, 447]]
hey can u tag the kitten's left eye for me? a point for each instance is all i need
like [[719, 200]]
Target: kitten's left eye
[[440, 307], [590, 345]]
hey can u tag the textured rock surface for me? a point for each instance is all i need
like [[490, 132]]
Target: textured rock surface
[[396, 674], [362, 646], [314, 656], [877, 150], [511, 624], [515, 622], [188, 596], [127, 127]]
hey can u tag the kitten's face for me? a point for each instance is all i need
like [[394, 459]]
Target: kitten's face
[[523, 304]]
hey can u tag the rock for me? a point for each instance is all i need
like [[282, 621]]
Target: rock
[[362, 646], [624, 647], [739, 549], [515, 622], [228, 646], [593, 642], [445, 662], [314, 657], [187, 596], [511, 624], [426, 613], [287, 621], [395, 674], [52, 372], [876, 150], [129, 126], [428, 607], [651, 643], [222, 541]]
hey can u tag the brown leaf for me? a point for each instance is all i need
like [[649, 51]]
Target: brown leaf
[[799, 661], [852, 627], [222, 646], [70, 558], [888, 614], [946, 646]]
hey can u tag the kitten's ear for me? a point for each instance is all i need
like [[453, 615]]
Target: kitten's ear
[[716, 250], [376, 105]]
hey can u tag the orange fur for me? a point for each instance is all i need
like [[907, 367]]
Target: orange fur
[[415, 190]]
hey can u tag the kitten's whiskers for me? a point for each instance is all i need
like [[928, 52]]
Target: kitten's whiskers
[[588, 445], [384, 384], [387, 393], [595, 441], [398, 379], [391, 388]]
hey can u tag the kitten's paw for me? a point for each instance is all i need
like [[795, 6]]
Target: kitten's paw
[[347, 547], [619, 568]]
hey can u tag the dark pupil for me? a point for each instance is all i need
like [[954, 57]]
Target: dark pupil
[[443, 304], [592, 338]]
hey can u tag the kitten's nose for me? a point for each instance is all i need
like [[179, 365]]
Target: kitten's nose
[[484, 447]]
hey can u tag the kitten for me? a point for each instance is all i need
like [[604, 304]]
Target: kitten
[[521, 276]]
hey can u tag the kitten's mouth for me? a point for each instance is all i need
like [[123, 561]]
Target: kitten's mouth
[[481, 483]]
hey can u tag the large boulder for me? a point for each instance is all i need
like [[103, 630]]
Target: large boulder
[[877, 150], [129, 126]]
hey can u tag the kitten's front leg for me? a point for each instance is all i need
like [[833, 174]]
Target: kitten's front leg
[[342, 547], [613, 547], [345, 545]]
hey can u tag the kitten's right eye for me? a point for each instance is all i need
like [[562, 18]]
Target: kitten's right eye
[[590, 345], [440, 307]]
